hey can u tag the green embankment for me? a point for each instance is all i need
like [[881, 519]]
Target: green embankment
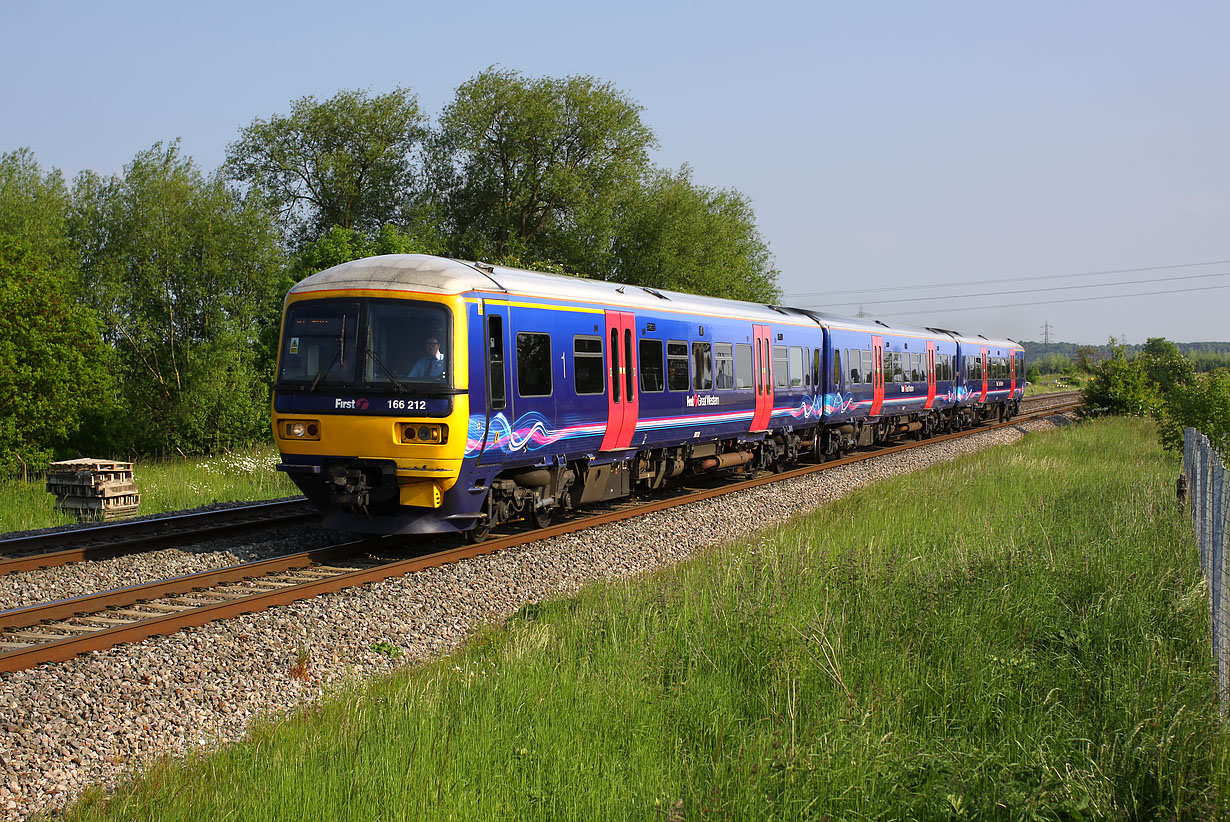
[[172, 485], [1018, 634]]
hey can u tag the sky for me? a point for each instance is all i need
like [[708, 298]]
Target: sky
[[914, 150]]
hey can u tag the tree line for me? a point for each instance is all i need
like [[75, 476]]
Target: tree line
[[139, 311]]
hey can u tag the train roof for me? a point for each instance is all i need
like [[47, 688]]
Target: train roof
[[439, 275], [424, 273]]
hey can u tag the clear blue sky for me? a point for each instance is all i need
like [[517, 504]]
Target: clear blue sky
[[882, 144]]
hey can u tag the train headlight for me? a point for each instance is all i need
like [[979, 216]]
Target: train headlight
[[300, 430], [426, 433]]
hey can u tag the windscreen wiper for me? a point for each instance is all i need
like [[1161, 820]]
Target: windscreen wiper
[[370, 353]]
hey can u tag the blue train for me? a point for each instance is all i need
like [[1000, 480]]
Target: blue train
[[417, 394]]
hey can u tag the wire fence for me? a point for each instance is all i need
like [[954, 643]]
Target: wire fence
[[1205, 474]]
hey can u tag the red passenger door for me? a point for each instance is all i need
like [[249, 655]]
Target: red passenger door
[[622, 395], [1012, 372], [983, 359], [877, 374], [762, 379], [930, 374]]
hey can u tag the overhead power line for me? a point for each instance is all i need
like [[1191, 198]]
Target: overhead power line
[[1021, 279], [934, 310], [1032, 290]]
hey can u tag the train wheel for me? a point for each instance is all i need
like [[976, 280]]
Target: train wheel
[[540, 517]]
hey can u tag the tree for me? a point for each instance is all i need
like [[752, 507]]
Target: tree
[[517, 162], [674, 234], [34, 206], [1203, 404], [347, 161], [1164, 365], [1118, 385], [52, 353], [185, 276]]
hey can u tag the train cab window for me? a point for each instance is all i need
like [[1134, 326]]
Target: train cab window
[[677, 366], [702, 366], [587, 365], [533, 364], [724, 360], [781, 374], [743, 366], [796, 366], [652, 376]]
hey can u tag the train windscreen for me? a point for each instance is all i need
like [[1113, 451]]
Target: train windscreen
[[398, 345]]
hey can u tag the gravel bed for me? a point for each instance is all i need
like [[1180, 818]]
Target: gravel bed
[[95, 718]]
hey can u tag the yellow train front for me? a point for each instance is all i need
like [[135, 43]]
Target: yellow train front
[[371, 402]]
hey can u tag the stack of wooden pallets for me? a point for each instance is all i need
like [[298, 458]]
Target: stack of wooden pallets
[[94, 489]]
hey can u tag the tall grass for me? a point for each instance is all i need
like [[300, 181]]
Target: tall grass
[[1018, 634], [171, 485]]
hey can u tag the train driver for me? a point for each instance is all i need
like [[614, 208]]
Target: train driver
[[431, 365]]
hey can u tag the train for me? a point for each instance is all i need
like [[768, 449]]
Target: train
[[418, 394]]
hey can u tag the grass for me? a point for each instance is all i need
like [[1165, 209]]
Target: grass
[[1052, 383], [1019, 634], [173, 485]]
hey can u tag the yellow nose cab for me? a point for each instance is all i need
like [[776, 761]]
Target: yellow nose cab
[[371, 402]]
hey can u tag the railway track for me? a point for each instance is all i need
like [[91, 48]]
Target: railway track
[[57, 631], [56, 548]]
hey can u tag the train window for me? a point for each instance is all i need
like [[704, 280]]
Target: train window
[[724, 359], [837, 368], [916, 374], [743, 366], [495, 362], [807, 370], [856, 366], [587, 365], [629, 369], [867, 359], [780, 370], [702, 366], [653, 378], [898, 368], [533, 364], [815, 369], [796, 366], [677, 366]]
